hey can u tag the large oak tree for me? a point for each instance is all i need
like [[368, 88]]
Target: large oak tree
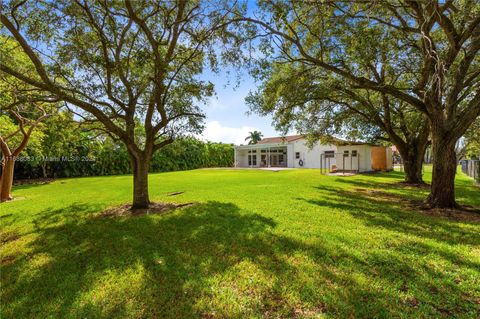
[[322, 107], [130, 65], [433, 61]]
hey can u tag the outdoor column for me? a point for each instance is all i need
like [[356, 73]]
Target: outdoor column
[[268, 156], [251, 158], [235, 157]]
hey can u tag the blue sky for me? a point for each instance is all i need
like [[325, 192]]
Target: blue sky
[[227, 120]]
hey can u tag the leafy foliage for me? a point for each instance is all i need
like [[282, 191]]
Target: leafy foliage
[[472, 140], [254, 137], [64, 150]]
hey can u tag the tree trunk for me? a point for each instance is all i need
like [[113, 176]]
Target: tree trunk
[[413, 169], [44, 169], [140, 165], [413, 155], [442, 193], [6, 180]]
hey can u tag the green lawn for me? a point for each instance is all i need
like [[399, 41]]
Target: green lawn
[[259, 244]]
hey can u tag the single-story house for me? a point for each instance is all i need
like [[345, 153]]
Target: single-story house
[[288, 151], [293, 152]]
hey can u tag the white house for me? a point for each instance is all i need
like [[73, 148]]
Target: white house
[[288, 151], [293, 152]]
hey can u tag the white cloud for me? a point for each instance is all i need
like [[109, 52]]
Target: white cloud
[[215, 132]]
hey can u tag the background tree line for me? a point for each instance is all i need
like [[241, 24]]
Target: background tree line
[[61, 147]]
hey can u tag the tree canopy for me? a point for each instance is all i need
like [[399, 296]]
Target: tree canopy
[[133, 66], [422, 54]]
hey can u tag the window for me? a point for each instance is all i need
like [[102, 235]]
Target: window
[[345, 153], [297, 155], [252, 160], [329, 154], [263, 160], [354, 153], [263, 151]]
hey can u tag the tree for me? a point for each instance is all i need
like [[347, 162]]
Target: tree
[[22, 109], [324, 108], [254, 137], [122, 63], [434, 62], [14, 137]]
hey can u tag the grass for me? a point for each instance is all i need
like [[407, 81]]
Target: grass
[[259, 244]]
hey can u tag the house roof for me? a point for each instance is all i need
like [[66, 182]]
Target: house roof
[[280, 139], [291, 138]]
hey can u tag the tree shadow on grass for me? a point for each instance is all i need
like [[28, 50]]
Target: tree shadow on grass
[[398, 212], [212, 260]]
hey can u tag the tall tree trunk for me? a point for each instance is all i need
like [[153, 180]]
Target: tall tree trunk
[[6, 180], [140, 166], [413, 164], [442, 193], [412, 152]]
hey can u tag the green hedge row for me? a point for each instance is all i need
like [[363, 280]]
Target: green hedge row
[[95, 159]]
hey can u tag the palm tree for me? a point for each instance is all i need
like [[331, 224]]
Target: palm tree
[[254, 137]]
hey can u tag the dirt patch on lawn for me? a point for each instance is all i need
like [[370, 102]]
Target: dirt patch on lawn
[[8, 236], [154, 208], [413, 185], [460, 213], [7, 260], [378, 195]]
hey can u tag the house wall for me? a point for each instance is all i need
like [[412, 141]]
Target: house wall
[[310, 157], [290, 155], [362, 164], [242, 158]]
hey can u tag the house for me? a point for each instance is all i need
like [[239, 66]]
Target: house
[[293, 152], [288, 151]]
